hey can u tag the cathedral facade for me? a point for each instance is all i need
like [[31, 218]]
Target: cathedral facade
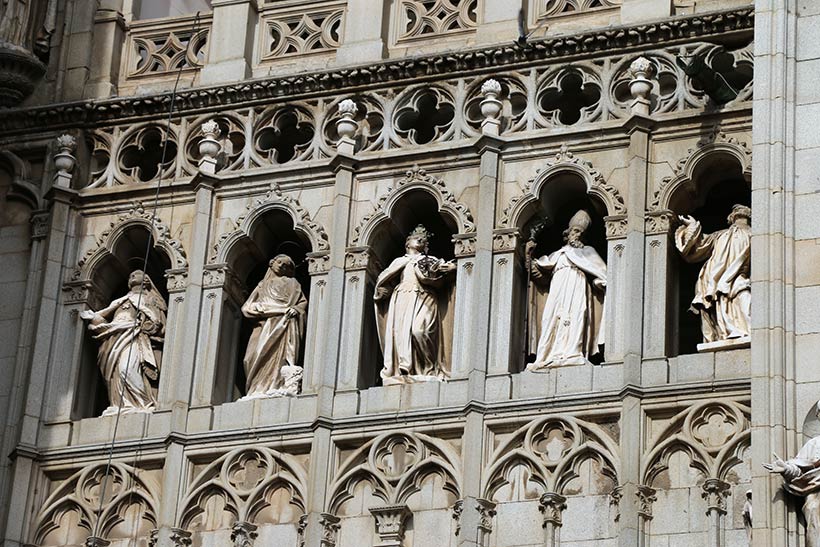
[[402, 273]]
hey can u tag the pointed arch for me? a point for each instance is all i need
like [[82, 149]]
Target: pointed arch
[[273, 200], [716, 144], [564, 162], [414, 179]]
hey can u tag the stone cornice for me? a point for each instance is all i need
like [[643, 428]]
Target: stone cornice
[[502, 57]]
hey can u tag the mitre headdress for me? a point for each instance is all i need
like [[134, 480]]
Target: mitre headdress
[[580, 220]]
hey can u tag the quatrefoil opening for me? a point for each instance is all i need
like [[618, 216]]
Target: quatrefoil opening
[[142, 156], [426, 115], [286, 135], [569, 97]]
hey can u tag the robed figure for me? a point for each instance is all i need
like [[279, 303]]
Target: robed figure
[[410, 320], [723, 297], [801, 476], [572, 319], [279, 307], [130, 331]]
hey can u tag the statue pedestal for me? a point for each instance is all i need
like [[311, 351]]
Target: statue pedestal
[[19, 72], [720, 345]]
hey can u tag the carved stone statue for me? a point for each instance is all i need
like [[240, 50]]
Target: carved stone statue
[[801, 476], [280, 307], [571, 323], [723, 291], [410, 321], [130, 331]]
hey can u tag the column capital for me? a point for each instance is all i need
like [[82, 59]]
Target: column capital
[[391, 523], [552, 505], [715, 492]]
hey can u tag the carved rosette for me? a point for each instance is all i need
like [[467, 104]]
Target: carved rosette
[[464, 245], [646, 497], [391, 523], [715, 492], [660, 223], [330, 529], [552, 506], [616, 226], [243, 534]]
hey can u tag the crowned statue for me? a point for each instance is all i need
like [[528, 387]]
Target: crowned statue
[[130, 331], [571, 323], [801, 476], [279, 307], [723, 297], [411, 296]]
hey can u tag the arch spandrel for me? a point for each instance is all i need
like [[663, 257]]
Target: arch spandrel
[[136, 216], [715, 144], [273, 200], [564, 162], [414, 179]]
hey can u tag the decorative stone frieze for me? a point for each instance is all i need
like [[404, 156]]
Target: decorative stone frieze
[[40, 222], [330, 529], [660, 223], [505, 240], [391, 523], [418, 19], [646, 497], [703, 25], [177, 279], [716, 492], [464, 245], [318, 263], [616, 226], [301, 30], [243, 534], [158, 49]]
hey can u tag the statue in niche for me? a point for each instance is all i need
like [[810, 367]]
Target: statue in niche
[[801, 476], [723, 297], [410, 320], [279, 306], [130, 331], [571, 323]]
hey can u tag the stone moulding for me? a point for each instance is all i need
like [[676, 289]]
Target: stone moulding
[[621, 39], [564, 161], [415, 178], [273, 200]]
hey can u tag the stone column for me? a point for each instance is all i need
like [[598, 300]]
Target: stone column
[[176, 383], [473, 526], [61, 231], [552, 506], [658, 275], [365, 33], [617, 287], [231, 42], [645, 497], [166, 534], [106, 54], [391, 523], [220, 319], [316, 315], [506, 351], [361, 270], [715, 492], [465, 304]]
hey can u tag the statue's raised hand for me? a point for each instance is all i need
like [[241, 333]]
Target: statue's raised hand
[[777, 466], [686, 220]]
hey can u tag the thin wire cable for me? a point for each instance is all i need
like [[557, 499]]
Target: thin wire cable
[[148, 246]]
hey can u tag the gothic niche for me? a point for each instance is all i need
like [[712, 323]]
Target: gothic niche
[[113, 276], [716, 184], [395, 329], [563, 228], [257, 359]]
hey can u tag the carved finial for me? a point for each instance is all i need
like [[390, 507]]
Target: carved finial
[[209, 146], [491, 107], [64, 159], [641, 70], [346, 126]]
